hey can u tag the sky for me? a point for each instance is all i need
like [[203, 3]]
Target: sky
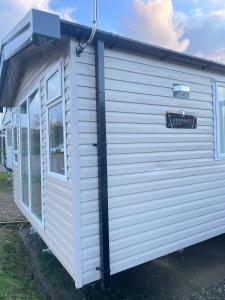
[[196, 27]]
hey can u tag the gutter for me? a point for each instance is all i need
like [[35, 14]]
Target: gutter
[[102, 167]]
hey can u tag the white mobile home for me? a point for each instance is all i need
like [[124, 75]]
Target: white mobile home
[[120, 151]]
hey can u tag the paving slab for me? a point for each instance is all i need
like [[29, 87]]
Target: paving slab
[[8, 209]]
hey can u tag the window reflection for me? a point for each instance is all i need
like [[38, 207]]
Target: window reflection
[[56, 139]]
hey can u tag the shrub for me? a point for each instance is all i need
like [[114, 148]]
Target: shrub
[[6, 178]]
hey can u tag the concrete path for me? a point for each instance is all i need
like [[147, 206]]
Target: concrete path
[[8, 210]]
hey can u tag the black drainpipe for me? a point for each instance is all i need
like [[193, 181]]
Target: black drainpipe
[[102, 166]]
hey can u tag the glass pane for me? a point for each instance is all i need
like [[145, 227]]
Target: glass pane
[[15, 146], [9, 137], [56, 140], [24, 153], [221, 99], [35, 156], [221, 93], [54, 86], [14, 117]]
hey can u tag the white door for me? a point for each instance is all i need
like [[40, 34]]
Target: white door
[[30, 144]]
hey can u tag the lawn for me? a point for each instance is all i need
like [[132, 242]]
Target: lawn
[[6, 179], [28, 273], [16, 274]]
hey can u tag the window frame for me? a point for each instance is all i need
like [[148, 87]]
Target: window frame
[[15, 152], [49, 105], [14, 116], [218, 154], [57, 68]]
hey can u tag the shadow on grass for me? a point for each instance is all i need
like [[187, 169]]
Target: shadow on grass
[[61, 286], [28, 273], [192, 275], [16, 276]]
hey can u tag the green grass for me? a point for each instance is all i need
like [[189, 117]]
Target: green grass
[[16, 275], [6, 181]]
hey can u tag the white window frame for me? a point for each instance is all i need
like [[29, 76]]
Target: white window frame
[[15, 152], [14, 113], [49, 105], [38, 222], [9, 127], [57, 68], [218, 154]]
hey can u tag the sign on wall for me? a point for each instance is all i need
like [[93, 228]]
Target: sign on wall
[[181, 120]]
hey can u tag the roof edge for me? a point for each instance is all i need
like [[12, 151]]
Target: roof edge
[[35, 24], [114, 40]]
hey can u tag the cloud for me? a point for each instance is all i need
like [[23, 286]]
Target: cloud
[[156, 22], [14, 10], [199, 30], [206, 31]]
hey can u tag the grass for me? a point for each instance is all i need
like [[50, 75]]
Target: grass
[[6, 180], [16, 275], [28, 273]]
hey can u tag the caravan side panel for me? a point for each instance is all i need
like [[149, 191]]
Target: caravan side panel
[[166, 190], [86, 104], [57, 230]]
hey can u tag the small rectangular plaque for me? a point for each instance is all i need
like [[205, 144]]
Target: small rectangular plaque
[[181, 120]]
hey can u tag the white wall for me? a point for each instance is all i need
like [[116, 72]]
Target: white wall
[[166, 191], [58, 230]]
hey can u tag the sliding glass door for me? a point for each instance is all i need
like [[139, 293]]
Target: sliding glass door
[[35, 155], [31, 183], [24, 153]]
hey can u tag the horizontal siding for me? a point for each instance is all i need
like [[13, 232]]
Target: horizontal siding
[[86, 97], [165, 187], [58, 231], [57, 194]]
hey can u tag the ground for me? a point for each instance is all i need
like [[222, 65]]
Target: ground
[[8, 210], [26, 272]]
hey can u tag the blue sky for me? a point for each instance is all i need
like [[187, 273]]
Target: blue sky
[[193, 26]]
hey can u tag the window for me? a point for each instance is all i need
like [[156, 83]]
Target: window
[[30, 155], [56, 139], [54, 84], [220, 120], [56, 123], [14, 115], [15, 144], [35, 155], [24, 158], [9, 137]]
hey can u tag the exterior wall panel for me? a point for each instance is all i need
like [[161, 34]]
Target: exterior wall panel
[[58, 230], [165, 187]]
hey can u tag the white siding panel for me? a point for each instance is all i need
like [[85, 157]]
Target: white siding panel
[[58, 231], [166, 191], [86, 93]]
